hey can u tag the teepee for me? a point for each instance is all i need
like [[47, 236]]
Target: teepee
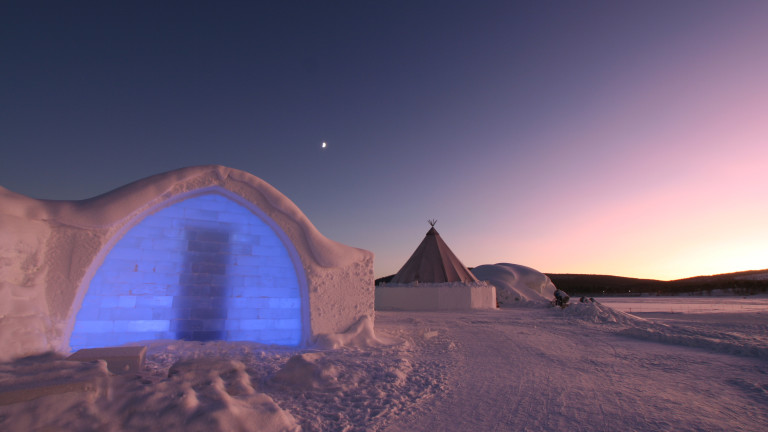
[[433, 262]]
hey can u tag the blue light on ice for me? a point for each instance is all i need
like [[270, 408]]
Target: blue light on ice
[[205, 268]]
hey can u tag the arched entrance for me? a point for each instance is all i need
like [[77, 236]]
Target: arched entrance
[[203, 268]]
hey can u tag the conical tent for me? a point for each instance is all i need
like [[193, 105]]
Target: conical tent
[[433, 262]]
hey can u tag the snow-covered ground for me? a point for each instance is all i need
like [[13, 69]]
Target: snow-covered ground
[[586, 367], [688, 304]]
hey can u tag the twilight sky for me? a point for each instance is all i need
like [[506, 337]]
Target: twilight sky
[[612, 137]]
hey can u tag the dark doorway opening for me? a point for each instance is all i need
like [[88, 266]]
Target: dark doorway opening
[[201, 303]]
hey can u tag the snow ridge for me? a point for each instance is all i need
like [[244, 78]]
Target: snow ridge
[[720, 342], [731, 342], [600, 314]]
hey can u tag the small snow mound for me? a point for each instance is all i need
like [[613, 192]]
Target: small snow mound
[[214, 394], [398, 375], [516, 284], [359, 335], [307, 371], [238, 381], [35, 377], [198, 395], [599, 313]]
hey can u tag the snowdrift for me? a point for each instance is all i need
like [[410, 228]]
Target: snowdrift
[[515, 283], [51, 250], [220, 386], [735, 341], [599, 314]]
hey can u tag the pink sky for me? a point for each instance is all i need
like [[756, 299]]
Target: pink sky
[[676, 150]]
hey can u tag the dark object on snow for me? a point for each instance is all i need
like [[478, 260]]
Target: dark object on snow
[[561, 298]]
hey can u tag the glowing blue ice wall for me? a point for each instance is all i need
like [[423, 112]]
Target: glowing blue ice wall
[[201, 269]]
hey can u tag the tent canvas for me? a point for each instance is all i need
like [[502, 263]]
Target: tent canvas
[[433, 262]]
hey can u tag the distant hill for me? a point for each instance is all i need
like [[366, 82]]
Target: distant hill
[[739, 283]]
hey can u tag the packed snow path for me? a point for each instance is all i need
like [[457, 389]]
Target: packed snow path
[[584, 368]]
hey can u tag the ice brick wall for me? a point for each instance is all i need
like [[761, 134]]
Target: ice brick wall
[[204, 268]]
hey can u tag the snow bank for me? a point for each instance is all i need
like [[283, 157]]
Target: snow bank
[[732, 343], [215, 395], [50, 250], [309, 371], [515, 283], [598, 313], [359, 335], [49, 375], [200, 395]]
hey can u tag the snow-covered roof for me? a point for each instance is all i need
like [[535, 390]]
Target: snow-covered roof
[[515, 282], [116, 207]]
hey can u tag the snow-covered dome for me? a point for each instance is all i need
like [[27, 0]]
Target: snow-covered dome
[[515, 282], [199, 253]]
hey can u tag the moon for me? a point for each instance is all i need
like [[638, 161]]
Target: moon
[[324, 144]]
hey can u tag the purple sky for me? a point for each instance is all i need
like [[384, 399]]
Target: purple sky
[[627, 138]]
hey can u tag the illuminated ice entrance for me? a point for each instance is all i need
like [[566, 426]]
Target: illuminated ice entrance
[[205, 268]]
